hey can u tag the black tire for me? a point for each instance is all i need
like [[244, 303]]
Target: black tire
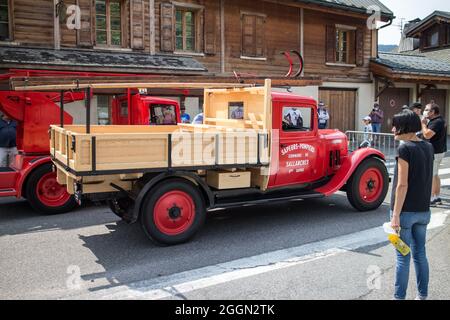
[[32, 197], [162, 189], [352, 186]]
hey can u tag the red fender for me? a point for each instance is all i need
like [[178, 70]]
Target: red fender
[[27, 168], [349, 166]]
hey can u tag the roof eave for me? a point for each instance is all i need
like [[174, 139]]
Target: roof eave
[[393, 72], [385, 16], [415, 30]]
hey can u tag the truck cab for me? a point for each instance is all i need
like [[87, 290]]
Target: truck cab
[[30, 173], [145, 110], [303, 153]]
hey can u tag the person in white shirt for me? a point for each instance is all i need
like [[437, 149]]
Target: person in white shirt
[[367, 143], [198, 119], [294, 118], [323, 116]]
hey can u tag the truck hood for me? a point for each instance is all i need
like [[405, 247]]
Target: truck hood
[[332, 134]]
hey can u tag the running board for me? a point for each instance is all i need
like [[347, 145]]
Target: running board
[[8, 193], [306, 195]]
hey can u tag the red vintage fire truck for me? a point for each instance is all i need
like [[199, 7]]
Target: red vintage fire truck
[[30, 174], [255, 146]]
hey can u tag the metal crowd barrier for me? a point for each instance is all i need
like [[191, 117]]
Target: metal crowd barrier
[[384, 142]]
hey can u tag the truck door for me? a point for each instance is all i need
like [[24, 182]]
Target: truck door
[[120, 111], [297, 152]]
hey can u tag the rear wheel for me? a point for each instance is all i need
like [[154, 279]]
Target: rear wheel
[[45, 194], [368, 186], [173, 212]]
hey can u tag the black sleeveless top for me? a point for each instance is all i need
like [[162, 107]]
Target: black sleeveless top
[[420, 157]]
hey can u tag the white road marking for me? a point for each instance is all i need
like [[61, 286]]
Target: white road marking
[[184, 282], [438, 219], [443, 172]]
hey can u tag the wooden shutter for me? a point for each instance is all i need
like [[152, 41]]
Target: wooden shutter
[[351, 43], [259, 36], [199, 30], [85, 34], [360, 47], [167, 22], [210, 27], [330, 43], [137, 24], [248, 35]]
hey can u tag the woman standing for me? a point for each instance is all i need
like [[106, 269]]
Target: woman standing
[[410, 202]]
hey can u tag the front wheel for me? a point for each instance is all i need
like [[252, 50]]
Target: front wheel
[[45, 194], [173, 212], [368, 186]]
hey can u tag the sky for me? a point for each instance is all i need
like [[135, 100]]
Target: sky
[[409, 10]]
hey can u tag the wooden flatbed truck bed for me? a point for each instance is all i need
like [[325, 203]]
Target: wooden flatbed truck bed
[[254, 146], [114, 154]]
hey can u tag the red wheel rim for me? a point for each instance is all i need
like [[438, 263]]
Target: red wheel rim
[[50, 192], [371, 185], [174, 212]]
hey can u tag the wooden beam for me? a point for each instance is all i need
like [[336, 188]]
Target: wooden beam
[[386, 84], [152, 27], [222, 36], [302, 36], [267, 114], [108, 69], [154, 85], [315, 7], [56, 29], [56, 80], [397, 76]]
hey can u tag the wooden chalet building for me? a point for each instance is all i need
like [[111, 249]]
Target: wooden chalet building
[[200, 39], [420, 71]]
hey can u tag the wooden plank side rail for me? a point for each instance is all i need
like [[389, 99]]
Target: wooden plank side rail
[[236, 133], [95, 153]]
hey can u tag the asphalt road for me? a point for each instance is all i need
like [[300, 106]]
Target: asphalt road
[[37, 252], [89, 253]]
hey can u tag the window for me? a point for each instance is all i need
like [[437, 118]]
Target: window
[[4, 20], [108, 22], [236, 110], [432, 38], [253, 44], [162, 114], [185, 29], [297, 118], [103, 110], [342, 39], [344, 45]]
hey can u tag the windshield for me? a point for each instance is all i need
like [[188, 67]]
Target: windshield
[[162, 114]]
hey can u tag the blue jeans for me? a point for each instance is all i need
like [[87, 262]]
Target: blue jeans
[[413, 232], [376, 127]]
